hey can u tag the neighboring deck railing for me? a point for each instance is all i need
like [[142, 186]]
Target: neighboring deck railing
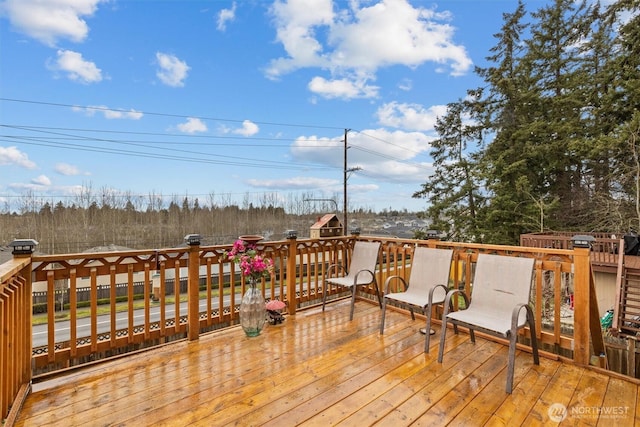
[[605, 253], [216, 283]]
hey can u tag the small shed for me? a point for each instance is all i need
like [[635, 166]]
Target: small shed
[[326, 226]]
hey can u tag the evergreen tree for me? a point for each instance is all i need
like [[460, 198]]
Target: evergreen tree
[[452, 190], [506, 169], [557, 131]]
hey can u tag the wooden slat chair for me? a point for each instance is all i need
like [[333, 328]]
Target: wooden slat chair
[[361, 272], [499, 304], [427, 285]]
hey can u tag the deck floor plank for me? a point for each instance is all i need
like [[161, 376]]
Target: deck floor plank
[[516, 406], [447, 376], [378, 408], [618, 404], [589, 394], [482, 406], [320, 369], [558, 392], [318, 374], [244, 389], [447, 408]]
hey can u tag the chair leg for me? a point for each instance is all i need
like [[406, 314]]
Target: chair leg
[[534, 336], [354, 288], [324, 294], [384, 310], [428, 328], [512, 360], [455, 326], [375, 283], [443, 335]]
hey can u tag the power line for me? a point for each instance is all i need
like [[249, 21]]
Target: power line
[[48, 142], [234, 161], [248, 162], [150, 113], [297, 125], [182, 136]]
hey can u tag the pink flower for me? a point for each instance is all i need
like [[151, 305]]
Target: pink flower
[[251, 263]]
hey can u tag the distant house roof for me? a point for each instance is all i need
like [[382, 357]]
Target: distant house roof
[[108, 248], [324, 220], [5, 254]]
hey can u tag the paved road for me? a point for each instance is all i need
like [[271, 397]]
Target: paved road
[[62, 330]]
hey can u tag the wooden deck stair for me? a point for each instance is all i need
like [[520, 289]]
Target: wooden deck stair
[[626, 321], [319, 369]]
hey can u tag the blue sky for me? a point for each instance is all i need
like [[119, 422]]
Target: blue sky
[[232, 101]]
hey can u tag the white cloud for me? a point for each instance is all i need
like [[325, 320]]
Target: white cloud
[[121, 114], [248, 128], [192, 125], [68, 170], [296, 22], [302, 182], [342, 88], [410, 116], [41, 180], [48, 21], [360, 40], [42, 184], [381, 154], [405, 84], [401, 34], [76, 67], [13, 156], [110, 113], [172, 70], [226, 15]]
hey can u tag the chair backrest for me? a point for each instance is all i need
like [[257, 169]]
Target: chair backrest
[[501, 282], [364, 257], [430, 267]]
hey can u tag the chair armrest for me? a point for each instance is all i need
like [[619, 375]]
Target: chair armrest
[[432, 290], [388, 282], [447, 300], [332, 267], [355, 278], [516, 313]]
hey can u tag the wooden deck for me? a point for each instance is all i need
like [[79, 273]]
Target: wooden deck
[[319, 369]]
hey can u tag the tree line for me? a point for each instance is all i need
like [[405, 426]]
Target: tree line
[[551, 141], [103, 219]]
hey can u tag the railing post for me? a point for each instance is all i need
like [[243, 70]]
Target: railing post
[[16, 339], [25, 249], [292, 273], [582, 301], [193, 287]]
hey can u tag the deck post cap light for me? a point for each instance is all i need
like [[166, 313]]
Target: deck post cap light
[[583, 241], [433, 234], [291, 234], [192, 239], [23, 246]]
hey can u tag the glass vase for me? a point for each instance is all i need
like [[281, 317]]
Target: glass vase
[[253, 312]]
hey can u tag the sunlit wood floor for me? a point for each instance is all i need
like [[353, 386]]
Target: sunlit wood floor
[[320, 369]]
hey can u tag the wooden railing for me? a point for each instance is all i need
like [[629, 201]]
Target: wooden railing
[[214, 289], [605, 252], [15, 334]]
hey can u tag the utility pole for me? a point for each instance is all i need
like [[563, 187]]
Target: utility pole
[[346, 170]]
